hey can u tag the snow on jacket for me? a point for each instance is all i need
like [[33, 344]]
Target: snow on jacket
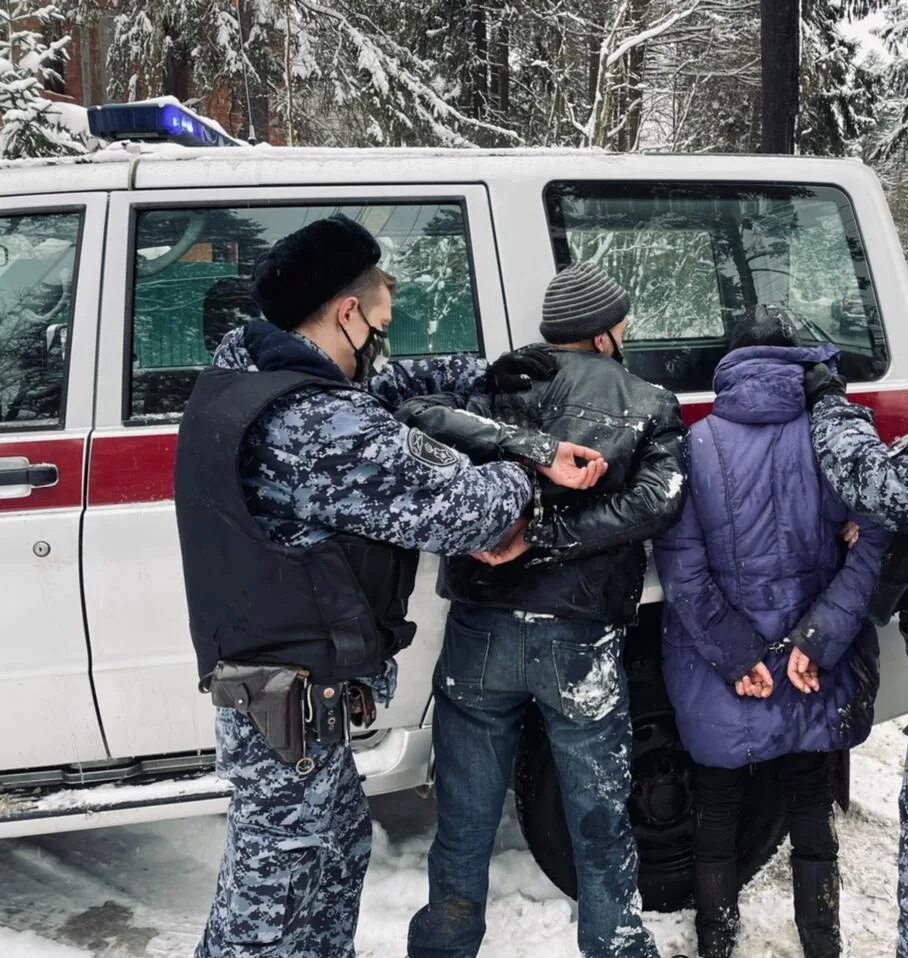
[[588, 559], [755, 563]]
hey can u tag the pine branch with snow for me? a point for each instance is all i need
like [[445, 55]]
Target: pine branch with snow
[[32, 123]]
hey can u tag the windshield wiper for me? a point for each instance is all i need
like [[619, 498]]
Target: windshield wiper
[[817, 330]]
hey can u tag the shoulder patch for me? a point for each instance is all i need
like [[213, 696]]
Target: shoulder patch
[[430, 451]]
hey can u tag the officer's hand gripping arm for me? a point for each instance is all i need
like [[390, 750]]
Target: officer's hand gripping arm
[[484, 440], [649, 504]]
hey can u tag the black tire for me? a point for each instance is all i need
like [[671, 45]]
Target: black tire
[[660, 803]]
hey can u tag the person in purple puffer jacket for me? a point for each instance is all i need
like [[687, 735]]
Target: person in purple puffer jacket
[[767, 654]]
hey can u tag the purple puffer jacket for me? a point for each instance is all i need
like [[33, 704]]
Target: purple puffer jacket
[[756, 558]]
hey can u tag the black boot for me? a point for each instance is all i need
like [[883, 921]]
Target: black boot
[[816, 906], [716, 891]]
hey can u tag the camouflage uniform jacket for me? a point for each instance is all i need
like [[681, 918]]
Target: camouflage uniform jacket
[[324, 461], [869, 476]]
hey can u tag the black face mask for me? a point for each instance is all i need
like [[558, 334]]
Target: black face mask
[[373, 355], [617, 353]]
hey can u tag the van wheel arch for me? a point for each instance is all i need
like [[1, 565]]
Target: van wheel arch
[[661, 793]]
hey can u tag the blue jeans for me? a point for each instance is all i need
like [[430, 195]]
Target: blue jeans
[[492, 665]]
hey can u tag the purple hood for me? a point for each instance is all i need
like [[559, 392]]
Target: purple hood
[[765, 384]]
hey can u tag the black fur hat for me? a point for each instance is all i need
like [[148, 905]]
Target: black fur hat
[[304, 270]]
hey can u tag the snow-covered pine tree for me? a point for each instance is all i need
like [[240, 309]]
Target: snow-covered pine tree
[[330, 71], [704, 85], [32, 124], [889, 141], [838, 95]]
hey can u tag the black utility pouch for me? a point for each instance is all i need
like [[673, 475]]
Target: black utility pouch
[[326, 713], [271, 695], [888, 597]]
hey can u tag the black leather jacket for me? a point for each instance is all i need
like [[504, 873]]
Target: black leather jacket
[[588, 558]]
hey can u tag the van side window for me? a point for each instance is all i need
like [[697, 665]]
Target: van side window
[[191, 285], [694, 257], [38, 253]]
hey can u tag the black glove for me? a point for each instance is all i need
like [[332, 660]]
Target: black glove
[[820, 381], [516, 372]]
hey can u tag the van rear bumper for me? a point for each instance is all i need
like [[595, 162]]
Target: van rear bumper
[[400, 760]]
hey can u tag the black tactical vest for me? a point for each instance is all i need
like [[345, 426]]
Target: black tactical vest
[[337, 608]]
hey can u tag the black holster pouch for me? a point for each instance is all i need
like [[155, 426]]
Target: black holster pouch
[[271, 695], [890, 593], [287, 708]]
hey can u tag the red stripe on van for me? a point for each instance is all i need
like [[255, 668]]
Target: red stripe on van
[[133, 468], [137, 468], [66, 454]]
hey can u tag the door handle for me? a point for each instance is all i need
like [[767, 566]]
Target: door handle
[[18, 476]]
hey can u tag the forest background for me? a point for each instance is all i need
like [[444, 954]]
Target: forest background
[[826, 77]]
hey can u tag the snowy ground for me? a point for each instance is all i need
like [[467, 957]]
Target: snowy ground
[[145, 890]]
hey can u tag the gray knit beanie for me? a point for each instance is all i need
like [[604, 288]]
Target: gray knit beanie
[[581, 302]]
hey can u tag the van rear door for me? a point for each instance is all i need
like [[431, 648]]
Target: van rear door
[[50, 273]]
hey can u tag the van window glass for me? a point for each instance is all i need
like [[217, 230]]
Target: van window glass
[[695, 257], [191, 286], [38, 252]]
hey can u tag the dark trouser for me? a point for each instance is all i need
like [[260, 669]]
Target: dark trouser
[[719, 796], [297, 851], [718, 799], [902, 951], [492, 665]]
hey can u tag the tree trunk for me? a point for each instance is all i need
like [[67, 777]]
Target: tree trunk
[[288, 74], [780, 50], [501, 69], [480, 67]]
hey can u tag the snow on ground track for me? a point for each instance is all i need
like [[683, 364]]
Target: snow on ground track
[[145, 890]]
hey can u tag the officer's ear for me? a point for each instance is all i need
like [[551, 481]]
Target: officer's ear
[[345, 310]]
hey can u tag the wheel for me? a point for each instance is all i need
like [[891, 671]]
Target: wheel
[[660, 802]]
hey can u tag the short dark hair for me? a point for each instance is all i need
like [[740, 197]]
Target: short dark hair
[[363, 287], [765, 326]]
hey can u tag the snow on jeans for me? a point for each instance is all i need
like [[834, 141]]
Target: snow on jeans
[[492, 665], [296, 855]]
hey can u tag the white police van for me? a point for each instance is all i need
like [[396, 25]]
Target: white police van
[[120, 273]]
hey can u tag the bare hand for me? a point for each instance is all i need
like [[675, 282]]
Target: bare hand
[[802, 673], [757, 683], [511, 546], [850, 532], [564, 471]]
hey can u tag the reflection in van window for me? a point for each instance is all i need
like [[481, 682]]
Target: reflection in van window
[[192, 270], [694, 257], [37, 264]]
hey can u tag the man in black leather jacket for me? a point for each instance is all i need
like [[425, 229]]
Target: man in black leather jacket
[[543, 618]]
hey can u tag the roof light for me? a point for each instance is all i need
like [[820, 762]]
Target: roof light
[[155, 120]]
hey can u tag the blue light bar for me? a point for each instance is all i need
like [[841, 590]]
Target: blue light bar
[[155, 120]]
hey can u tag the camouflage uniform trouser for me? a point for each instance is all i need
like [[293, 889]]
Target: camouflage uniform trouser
[[903, 867], [297, 851]]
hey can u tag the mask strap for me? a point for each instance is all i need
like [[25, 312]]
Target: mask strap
[[617, 354], [350, 341]]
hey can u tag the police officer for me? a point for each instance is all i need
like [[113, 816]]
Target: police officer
[[873, 479], [301, 503]]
